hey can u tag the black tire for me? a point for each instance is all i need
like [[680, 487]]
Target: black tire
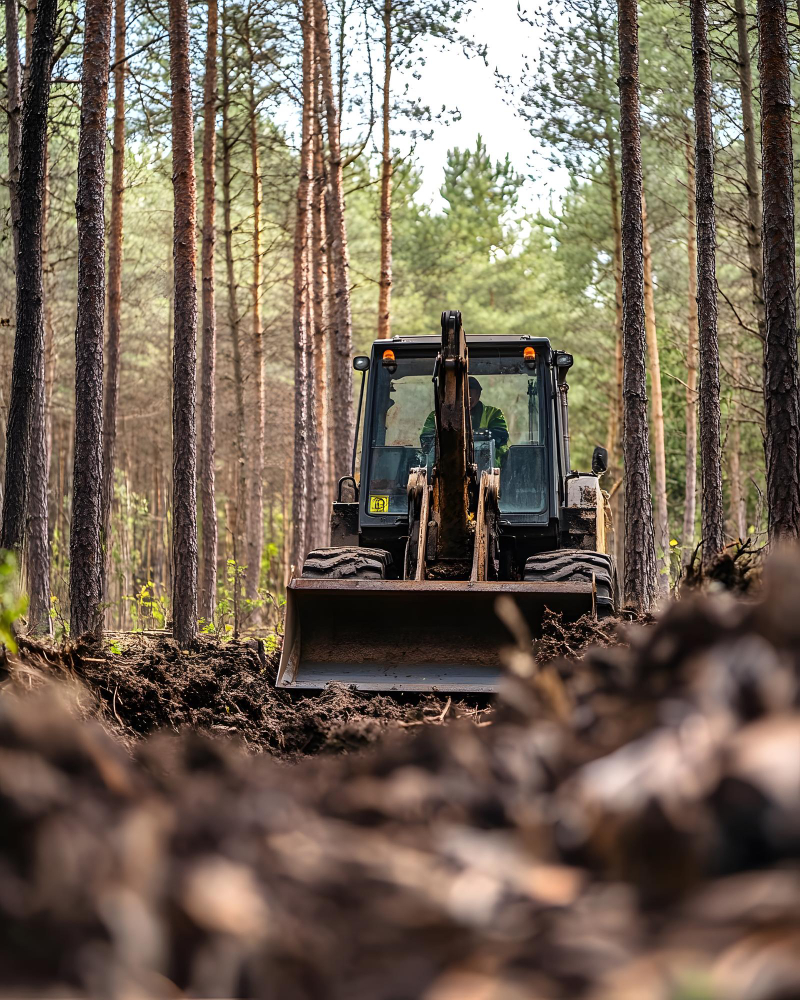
[[346, 564], [578, 565]]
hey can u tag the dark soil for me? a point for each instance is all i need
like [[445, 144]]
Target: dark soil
[[626, 826], [227, 690], [570, 640]]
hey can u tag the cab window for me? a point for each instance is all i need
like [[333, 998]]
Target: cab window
[[506, 423]]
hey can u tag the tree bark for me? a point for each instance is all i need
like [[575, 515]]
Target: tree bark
[[319, 268], [615, 426], [303, 338], [240, 522], [341, 321], [255, 526], [312, 481], [711, 508], [781, 403], [86, 554], [206, 464], [50, 345], [734, 449], [28, 141], [37, 558], [13, 114], [738, 504], [640, 556], [184, 497], [657, 413], [615, 409], [754, 213], [30, 21], [690, 496], [385, 294], [115, 237], [27, 379]]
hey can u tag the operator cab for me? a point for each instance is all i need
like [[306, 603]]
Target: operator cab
[[508, 415]]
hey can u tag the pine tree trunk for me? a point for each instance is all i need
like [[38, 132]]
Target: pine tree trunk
[[206, 462], [615, 423], [50, 346], [86, 554], [37, 554], [385, 294], [37, 558], [781, 403], [615, 410], [690, 496], [26, 371], [319, 269], [738, 505], [754, 220], [30, 21], [734, 450], [13, 114], [657, 412], [312, 483], [303, 337], [341, 322], [238, 528], [115, 237], [184, 496], [255, 525], [334, 404], [640, 556], [711, 508]]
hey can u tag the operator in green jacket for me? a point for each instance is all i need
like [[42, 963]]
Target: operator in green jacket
[[484, 418]]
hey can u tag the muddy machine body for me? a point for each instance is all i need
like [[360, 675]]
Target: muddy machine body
[[465, 493]]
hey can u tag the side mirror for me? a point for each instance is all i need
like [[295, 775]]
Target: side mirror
[[361, 363], [599, 461]]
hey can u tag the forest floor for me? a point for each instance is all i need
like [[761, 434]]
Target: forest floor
[[622, 822], [143, 683]]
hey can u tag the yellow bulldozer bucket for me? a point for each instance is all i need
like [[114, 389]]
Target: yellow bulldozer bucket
[[407, 635]]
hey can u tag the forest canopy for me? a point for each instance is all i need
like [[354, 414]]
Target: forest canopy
[[290, 136]]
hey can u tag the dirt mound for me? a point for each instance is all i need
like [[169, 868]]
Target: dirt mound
[[737, 569], [570, 640], [227, 690], [643, 841]]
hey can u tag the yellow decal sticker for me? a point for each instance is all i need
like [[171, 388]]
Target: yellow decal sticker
[[378, 505]]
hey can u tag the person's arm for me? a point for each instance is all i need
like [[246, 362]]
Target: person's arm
[[428, 432], [498, 427]]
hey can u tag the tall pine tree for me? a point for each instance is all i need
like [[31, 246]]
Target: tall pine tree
[[86, 555], [184, 516], [781, 391], [640, 554]]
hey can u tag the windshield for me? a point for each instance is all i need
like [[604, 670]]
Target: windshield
[[506, 419]]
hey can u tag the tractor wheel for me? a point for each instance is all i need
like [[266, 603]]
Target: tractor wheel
[[346, 564], [577, 565]]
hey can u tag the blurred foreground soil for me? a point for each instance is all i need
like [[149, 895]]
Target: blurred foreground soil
[[625, 824]]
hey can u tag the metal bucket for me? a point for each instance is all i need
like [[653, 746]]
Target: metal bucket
[[406, 635]]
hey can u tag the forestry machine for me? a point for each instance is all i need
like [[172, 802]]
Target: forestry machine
[[465, 494]]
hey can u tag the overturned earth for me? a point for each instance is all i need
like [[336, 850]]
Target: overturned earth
[[623, 821]]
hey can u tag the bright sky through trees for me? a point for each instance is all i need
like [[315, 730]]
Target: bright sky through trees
[[452, 80]]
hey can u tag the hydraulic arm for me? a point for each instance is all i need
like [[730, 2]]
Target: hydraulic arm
[[454, 474]]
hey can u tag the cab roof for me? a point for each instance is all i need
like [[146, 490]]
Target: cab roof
[[474, 340]]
